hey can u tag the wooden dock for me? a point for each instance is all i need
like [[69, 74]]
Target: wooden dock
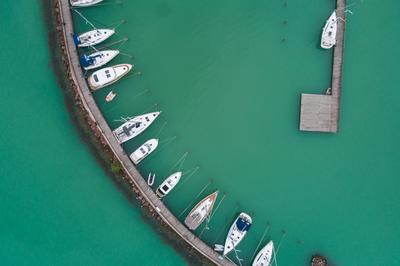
[[94, 112], [320, 112]]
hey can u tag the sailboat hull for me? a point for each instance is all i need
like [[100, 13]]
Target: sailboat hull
[[200, 212]]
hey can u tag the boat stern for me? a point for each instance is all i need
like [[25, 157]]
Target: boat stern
[[134, 158], [92, 82]]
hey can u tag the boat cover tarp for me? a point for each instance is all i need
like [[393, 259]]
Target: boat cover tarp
[[86, 61], [76, 39], [242, 224]]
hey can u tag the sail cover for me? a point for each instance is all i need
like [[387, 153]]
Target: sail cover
[[76, 39], [86, 61], [242, 224]]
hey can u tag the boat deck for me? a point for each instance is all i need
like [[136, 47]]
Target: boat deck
[[319, 112]]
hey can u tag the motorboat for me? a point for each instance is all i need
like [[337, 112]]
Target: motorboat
[[108, 75], [237, 232], [328, 37], [84, 3], [134, 126], [110, 96], [97, 59], [143, 151], [168, 184], [93, 37], [264, 257], [201, 211]]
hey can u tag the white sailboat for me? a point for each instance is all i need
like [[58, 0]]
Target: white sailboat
[[168, 184], [328, 37], [134, 126], [97, 59], [144, 150], [264, 257], [93, 37], [84, 3], [108, 75], [200, 212], [237, 232]]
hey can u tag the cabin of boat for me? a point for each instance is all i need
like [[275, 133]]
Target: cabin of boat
[[97, 59], [168, 184], [134, 126], [200, 212], [107, 76], [144, 150]]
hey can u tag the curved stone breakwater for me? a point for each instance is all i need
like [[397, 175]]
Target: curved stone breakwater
[[103, 133]]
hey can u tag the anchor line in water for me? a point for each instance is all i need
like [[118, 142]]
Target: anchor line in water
[[208, 220], [85, 19], [161, 129], [280, 242], [219, 204], [140, 94], [97, 5], [151, 107], [178, 165], [237, 256], [259, 243], [123, 40], [198, 195], [275, 252], [168, 140], [193, 171], [164, 144]]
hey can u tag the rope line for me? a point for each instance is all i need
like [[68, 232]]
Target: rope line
[[198, 195], [178, 165], [259, 243]]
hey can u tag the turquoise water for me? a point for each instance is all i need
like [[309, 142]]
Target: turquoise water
[[57, 205], [228, 76]]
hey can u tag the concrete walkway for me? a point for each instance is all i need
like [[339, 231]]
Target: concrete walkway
[[320, 112]]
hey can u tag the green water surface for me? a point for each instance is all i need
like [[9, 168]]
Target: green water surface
[[227, 75], [57, 206]]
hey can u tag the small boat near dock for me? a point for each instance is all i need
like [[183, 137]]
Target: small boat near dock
[[93, 37], [144, 150], [134, 126], [201, 211], [264, 257], [84, 3], [108, 75], [150, 179], [237, 232], [110, 96], [97, 59], [328, 37], [168, 184]]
